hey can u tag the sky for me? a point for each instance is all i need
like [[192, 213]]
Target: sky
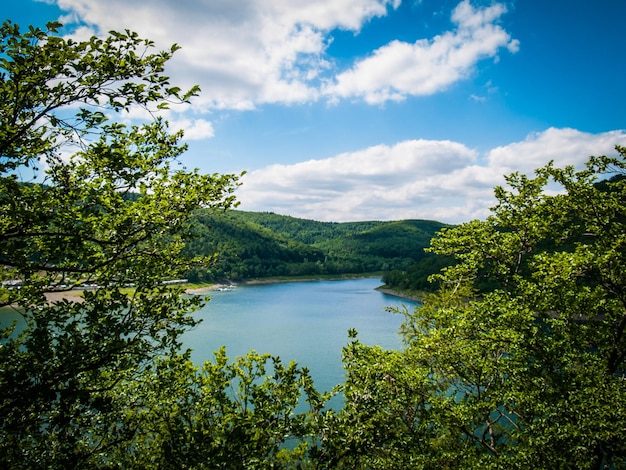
[[348, 110]]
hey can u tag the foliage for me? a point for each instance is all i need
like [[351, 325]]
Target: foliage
[[107, 210], [310, 232], [517, 361], [245, 414], [529, 373], [246, 250], [252, 245], [383, 422], [417, 277]]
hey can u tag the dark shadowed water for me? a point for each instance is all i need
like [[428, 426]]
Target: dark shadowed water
[[303, 321]]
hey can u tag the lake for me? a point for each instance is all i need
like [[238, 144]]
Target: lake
[[303, 321]]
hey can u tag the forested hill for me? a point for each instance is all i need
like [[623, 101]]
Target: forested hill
[[261, 244]]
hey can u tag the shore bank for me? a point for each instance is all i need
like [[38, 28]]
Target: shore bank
[[415, 297], [76, 295], [402, 295], [263, 281], [252, 282]]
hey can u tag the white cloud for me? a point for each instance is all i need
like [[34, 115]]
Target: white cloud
[[193, 128], [196, 129], [425, 67], [240, 53], [243, 54], [564, 146], [438, 180]]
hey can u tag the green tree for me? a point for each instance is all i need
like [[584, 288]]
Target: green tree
[[527, 373], [244, 414], [109, 209]]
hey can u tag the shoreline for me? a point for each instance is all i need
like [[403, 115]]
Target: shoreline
[[402, 295], [76, 294], [254, 282], [259, 282], [267, 281]]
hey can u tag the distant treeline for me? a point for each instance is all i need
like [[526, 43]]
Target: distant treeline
[[261, 244], [415, 277]]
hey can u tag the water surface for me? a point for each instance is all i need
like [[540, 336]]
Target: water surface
[[303, 321]]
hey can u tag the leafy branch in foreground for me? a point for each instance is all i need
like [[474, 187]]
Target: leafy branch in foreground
[[529, 373], [110, 210]]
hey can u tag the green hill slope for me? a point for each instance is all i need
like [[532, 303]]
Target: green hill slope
[[258, 244]]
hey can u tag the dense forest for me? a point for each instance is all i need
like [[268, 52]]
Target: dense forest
[[253, 245]]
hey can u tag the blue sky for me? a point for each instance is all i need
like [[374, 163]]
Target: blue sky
[[378, 109]]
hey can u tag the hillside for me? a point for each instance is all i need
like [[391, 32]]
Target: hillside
[[261, 244]]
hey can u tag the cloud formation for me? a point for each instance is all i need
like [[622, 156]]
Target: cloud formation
[[245, 54], [242, 54], [425, 67], [425, 179]]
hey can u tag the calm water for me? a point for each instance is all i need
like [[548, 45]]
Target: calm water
[[303, 321]]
